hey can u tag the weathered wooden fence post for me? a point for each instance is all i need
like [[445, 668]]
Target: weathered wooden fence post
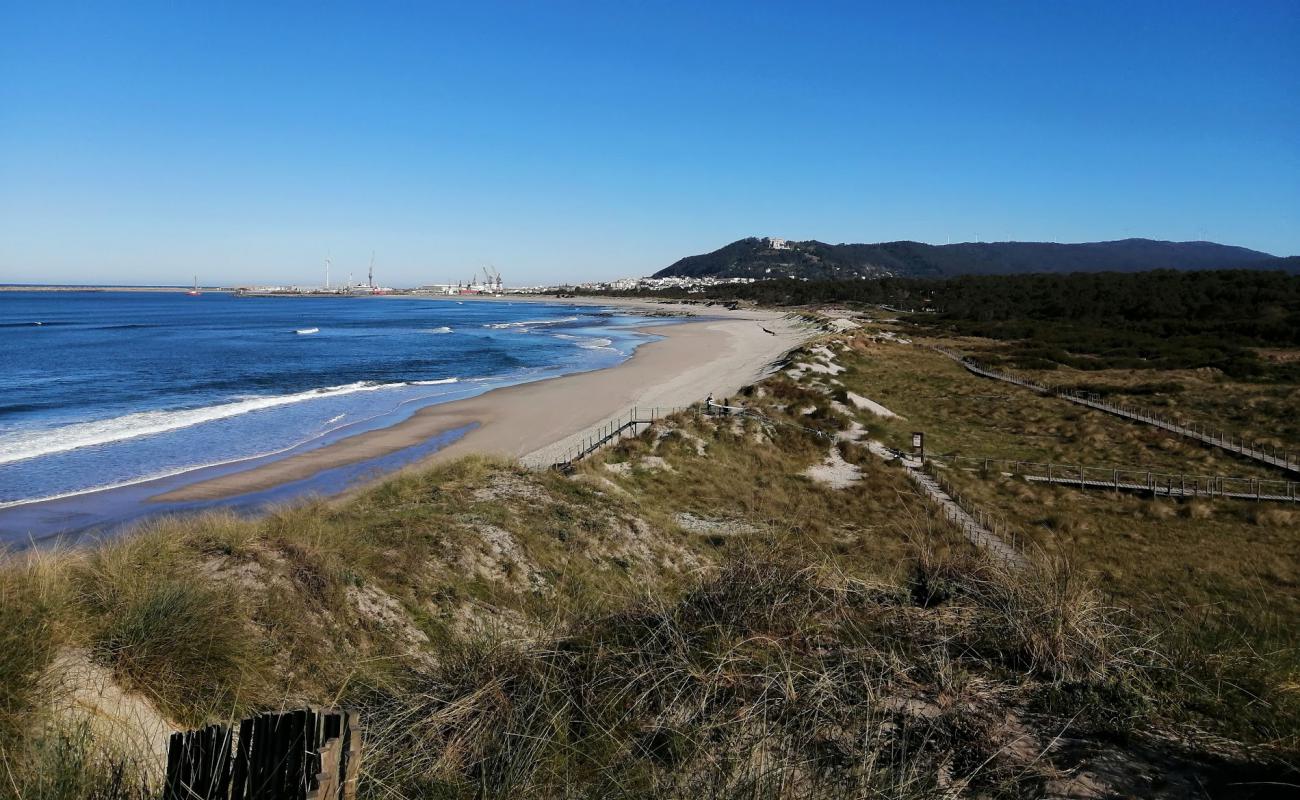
[[296, 755]]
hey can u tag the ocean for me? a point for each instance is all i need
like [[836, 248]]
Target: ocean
[[113, 390]]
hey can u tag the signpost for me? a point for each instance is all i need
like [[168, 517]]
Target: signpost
[[918, 444]]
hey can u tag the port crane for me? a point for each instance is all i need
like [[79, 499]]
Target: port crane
[[493, 278]]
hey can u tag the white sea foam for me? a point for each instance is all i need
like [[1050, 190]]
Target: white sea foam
[[587, 342], [443, 329], [438, 382], [534, 323], [33, 444], [195, 467]]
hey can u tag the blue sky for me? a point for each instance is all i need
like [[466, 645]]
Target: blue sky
[[564, 141]]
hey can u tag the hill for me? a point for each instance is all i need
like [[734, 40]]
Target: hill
[[813, 260]]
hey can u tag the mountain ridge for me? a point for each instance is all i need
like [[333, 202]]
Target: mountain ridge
[[758, 258]]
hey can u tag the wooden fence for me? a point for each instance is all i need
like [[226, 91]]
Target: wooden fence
[[984, 529], [612, 431], [1141, 480], [1265, 454], [296, 755]]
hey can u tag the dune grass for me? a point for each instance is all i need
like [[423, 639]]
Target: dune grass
[[687, 614], [29, 641], [1264, 413], [964, 414], [772, 677], [1213, 577], [1216, 579]]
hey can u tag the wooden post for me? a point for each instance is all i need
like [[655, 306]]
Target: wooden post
[[296, 755]]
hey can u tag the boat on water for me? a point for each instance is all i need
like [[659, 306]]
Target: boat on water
[[195, 291], [306, 331]]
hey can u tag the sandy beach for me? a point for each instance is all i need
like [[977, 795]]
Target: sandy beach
[[539, 422]]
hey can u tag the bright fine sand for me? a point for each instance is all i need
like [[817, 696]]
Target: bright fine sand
[[541, 421]]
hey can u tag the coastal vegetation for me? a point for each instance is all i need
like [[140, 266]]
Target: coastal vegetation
[[722, 606], [1227, 320]]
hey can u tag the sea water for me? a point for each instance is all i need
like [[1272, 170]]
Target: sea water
[[114, 389]]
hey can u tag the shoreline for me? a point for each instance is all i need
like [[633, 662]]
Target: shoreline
[[537, 422]]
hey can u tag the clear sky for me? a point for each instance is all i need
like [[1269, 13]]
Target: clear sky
[[143, 143]]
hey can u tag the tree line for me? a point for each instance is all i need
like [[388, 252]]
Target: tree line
[[1163, 318]]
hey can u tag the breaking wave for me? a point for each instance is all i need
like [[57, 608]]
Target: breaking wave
[[34, 444], [535, 323], [438, 382]]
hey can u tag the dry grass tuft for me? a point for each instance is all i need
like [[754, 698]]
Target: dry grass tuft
[[30, 635], [1273, 517], [765, 680]]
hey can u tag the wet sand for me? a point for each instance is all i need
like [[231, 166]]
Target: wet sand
[[539, 422]]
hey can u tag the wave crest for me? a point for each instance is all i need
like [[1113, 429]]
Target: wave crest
[[34, 444], [533, 323]]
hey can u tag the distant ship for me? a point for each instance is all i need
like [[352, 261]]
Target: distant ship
[[195, 291]]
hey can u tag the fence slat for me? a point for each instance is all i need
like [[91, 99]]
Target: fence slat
[[274, 757]]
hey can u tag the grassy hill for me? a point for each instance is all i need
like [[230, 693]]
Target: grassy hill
[[813, 260], [695, 612]]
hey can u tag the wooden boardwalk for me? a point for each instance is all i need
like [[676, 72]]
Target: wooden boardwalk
[[1141, 481], [1158, 489], [1271, 456], [978, 528]]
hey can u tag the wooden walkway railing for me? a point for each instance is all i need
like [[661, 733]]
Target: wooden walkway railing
[[983, 529], [980, 529], [1264, 454], [613, 430], [1141, 480]]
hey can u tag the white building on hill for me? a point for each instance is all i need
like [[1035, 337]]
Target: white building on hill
[[777, 243]]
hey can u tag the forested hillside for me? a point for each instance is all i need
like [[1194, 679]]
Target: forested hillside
[[813, 260]]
